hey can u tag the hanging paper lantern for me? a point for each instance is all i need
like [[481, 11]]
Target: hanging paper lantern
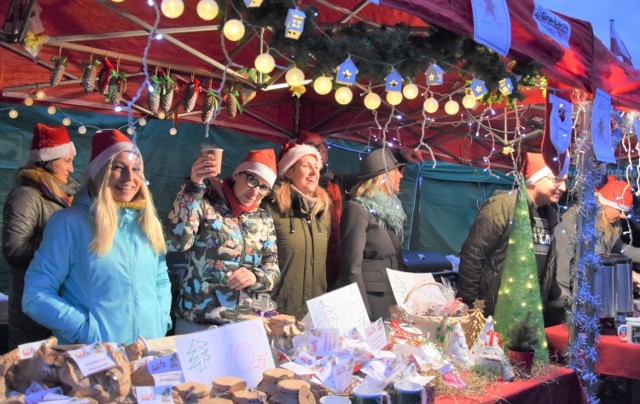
[[451, 107], [294, 23], [207, 9], [322, 85], [343, 95], [478, 88], [430, 105], [264, 63], [372, 101], [410, 91], [347, 72], [394, 97], [233, 30], [469, 100], [294, 77], [253, 3], [393, 81], [506, 86], [435, 75], [172, 8]]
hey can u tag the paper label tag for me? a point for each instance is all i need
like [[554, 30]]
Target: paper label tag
[[26, 351], [158, 394], [92, 359], [169, 363], [323, 342], [168, 378], [375, 335], [38, 396]]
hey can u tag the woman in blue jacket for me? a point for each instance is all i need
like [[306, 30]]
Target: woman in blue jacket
[[100, 272]]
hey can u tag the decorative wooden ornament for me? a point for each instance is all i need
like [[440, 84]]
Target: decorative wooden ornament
[[506, 86], [478, 88], [347, 72], [435, 75], [393, 82], [294, 23]]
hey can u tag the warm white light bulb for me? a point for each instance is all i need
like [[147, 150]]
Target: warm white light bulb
[[82, 130], [343, 95], [142, 121], [372, 101], [172, 8], [233, 30], [173, 131], [264, 63], [323, 85], [13, 114], [430, 105], [51, 110], [294, 77], [451, 107], [410, 91], [130, 131], [394, 97], [469, 101], [207, 9], [117, 1], [40, 95], [161, 115], [28, 101], [66, 121]]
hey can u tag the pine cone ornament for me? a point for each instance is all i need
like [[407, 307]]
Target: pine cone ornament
[[104, 76], [153, 96], [209, 106], [60, 64], [116, 88], [231, 104], [191, 95], [90, 76], [168, 88]]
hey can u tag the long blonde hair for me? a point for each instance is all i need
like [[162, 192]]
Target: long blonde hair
[[282, 197], [610, 231], [370, 186], [105, 215]]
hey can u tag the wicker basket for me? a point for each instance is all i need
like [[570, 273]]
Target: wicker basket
[[432, 328]]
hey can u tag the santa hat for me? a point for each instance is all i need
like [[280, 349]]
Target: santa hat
[[292, 154], [260, 162], [309, 137], [50, 143], [535, 168], [616, 194], [104, 145]]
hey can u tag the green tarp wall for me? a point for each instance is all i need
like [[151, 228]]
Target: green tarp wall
[[440, 202]]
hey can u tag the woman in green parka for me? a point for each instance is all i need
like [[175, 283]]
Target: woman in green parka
[[301, 213]]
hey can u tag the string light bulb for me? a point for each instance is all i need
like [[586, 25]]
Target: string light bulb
[[142, 122], [207, 9], [430, 105], [117, 1], [161, 115], [451, 107], [130, 131], [172, 8], [40, 94], [469, 100], [233, 30], [394, 97], [294, 77], [13, 114], [173, 131], [82, 129], [410, 91], [323, 85], [372, 101], [66, 121], [264, 63], [28, 101], [51, 110], [343, 95]]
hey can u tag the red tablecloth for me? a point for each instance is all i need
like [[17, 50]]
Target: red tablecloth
[[615, 357], [558, 385]]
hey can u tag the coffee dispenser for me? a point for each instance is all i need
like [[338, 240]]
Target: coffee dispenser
[[612, 282]]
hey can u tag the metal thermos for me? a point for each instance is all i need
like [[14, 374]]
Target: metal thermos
[[624, 286], [612, 282]]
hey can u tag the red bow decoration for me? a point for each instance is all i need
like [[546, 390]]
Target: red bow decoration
[[491, 334]]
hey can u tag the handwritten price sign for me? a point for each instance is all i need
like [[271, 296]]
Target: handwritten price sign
[[240, 349]]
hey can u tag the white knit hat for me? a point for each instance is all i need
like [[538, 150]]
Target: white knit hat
[[294, 153]]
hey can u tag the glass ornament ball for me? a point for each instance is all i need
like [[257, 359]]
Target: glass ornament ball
[[28, 101], [394, 97], [233, 30], [40, 95], [13, 114], [430, 105], [51, 110], [294, 77], [451, 107], [264, 63], [207, 9], [372, 101], [172, 8], [173, 131], [343, 95], [469, 101], [410, 91], [66, 121], [82, 130], [323, 85]]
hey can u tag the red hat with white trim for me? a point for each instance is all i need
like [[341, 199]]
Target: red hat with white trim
[[535, 168], [292, 154], [260, 162], [616, 194], [104, 145], [50, 143]]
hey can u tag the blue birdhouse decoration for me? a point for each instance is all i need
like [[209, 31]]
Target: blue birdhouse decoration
[[393, 82], [253, 3], [376, 2], [435, 75], [294, 23], [346, 73], [478, 88], [505, 86]]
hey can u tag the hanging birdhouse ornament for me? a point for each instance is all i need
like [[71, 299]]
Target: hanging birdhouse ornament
[[505, 86], [435, 75], [478, 88], [294, 23], [347, 72], [253, 3], [393, 82]]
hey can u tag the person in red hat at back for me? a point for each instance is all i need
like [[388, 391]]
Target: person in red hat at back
[[41, 187], [100, 272], [615, 200], [230, 241], [482, 255]]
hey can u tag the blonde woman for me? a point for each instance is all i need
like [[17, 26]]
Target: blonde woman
[[371, 231], [100, 272], [301, 211]]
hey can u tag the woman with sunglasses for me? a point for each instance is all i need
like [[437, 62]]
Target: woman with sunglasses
[[230, 240]]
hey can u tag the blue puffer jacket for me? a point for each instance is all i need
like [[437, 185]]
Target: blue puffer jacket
[[84, 298]]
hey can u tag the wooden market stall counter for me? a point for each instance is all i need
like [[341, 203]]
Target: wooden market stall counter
[[555, 385], [615, 357]]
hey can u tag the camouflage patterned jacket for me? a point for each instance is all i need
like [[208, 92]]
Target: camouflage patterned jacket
[[216, 244]]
